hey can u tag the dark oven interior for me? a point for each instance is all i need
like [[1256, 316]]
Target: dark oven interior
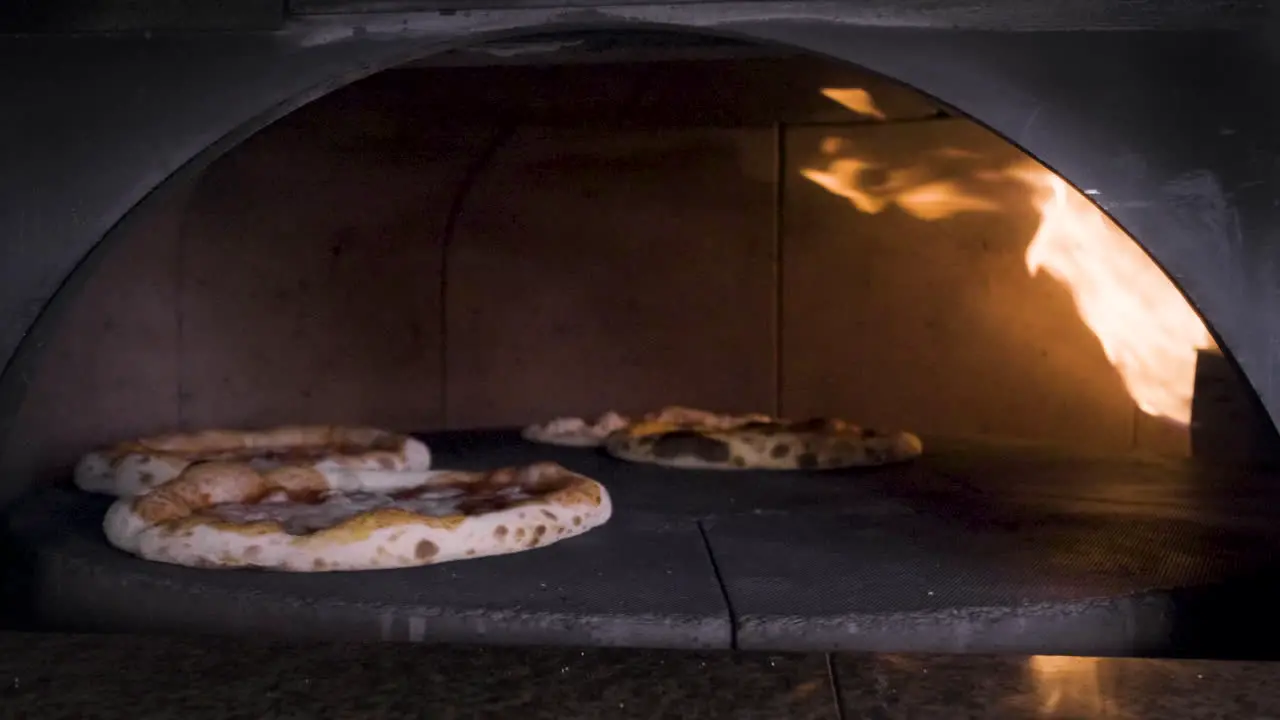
[[559, 227]]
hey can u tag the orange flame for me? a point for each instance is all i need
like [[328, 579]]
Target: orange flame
[[915, 190], [1149, 332]]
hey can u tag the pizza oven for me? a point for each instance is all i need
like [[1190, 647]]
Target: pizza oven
[[1040, 239]]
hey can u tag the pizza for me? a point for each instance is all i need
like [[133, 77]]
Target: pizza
[[306, 519], [575, 431], [578, 432], [680, 416], [132, 468], [816, 444]]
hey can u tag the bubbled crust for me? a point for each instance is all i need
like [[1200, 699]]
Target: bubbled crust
[[135, 467]]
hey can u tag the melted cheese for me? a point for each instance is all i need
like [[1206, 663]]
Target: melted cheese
[[564, 425], [606, 424], [298, 518], [653, 427]]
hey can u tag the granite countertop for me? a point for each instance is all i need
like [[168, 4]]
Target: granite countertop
[[134, 677]]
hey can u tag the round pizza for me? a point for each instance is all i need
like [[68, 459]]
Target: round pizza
[[305, 519], [578, 432], [132, 468], [816, 444]]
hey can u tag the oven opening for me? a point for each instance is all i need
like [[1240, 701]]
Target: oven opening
[[573, 224]]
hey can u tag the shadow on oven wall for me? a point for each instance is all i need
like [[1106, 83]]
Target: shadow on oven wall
[[17, 580], [1230, 620]]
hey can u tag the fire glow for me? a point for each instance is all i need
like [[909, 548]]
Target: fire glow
[[1068, 686], [1147, 329]]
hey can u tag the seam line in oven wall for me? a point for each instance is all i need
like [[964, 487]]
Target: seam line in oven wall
[[179, 307], [724, 589], [466, 183], [1134, 421], [833, 678], [779, 164]]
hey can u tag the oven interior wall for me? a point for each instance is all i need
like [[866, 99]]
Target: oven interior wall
[[628, 236]]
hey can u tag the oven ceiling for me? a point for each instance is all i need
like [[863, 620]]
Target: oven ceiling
[[112, 16]]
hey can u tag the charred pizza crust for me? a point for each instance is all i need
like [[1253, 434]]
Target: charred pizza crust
[[682, 415], [299, 519], [817, 444], [135, 467]]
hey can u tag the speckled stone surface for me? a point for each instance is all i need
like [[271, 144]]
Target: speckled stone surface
[[119, 676], [1003, 550], [639, 581], [134, 678]]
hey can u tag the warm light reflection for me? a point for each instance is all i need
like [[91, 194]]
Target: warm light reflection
[[1067, 686], [856, 99], [1149, 332]]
